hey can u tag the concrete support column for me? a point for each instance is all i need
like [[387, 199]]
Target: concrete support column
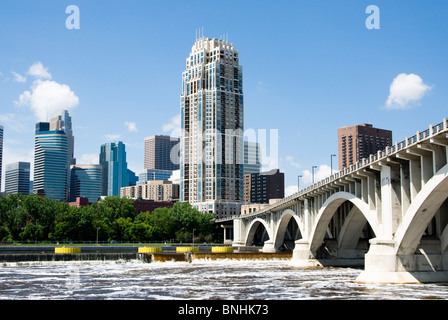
[[269, 245], [405, 187], [302, 256], [239, 232], [371, 191], [307, 217], [415, 169], [390, 201], [227, 233]]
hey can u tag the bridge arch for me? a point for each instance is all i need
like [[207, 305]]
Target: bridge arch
[[358, 216], [419, 214], [282, 226], [252, 229]]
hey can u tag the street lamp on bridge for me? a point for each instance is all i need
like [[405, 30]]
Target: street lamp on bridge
[[313, 172], [331, 161]]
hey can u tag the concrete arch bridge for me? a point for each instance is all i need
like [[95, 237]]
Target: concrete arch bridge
[[388, 212]]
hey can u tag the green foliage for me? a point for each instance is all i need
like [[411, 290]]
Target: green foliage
[[32, 218]]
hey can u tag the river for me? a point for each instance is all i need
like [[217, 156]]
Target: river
[[199, 280]]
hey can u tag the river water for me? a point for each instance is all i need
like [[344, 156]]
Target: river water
[[199, 280]]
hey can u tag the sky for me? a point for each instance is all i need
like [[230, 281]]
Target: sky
[[309, 67]]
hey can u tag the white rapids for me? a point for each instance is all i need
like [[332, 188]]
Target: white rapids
[[199, 280]]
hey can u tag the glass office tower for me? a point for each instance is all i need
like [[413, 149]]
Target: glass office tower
[[17, 178], [63, 122], [212, 148], [115, 168], [51, 162], [86, 181]]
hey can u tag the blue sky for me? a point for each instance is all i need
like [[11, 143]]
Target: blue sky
[[309, 67]]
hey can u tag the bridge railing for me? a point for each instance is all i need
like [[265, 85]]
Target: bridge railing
[[407, 142]]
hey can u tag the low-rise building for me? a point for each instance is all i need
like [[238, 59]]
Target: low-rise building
[[157, 190], [261, 187]]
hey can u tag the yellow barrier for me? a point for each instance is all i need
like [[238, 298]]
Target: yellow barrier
[[67, 250], [186, 249], [149, 249], [222, 249]]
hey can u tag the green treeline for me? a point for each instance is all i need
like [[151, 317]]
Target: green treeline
[[32, 218]]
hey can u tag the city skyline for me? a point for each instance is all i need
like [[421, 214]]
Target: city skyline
[[309, 68]]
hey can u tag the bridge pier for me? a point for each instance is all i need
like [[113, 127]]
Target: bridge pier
[[303, 257], [327, 255], [268, 247], [384, 265]]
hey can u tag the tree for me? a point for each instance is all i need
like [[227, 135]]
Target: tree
[[34, 218], [42, 212], [116, 207], [4, 234], [163, 225], [32, 232]]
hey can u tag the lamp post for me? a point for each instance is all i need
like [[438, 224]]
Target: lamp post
[[193, 237], [98, 228], [313, 172], [298, 182], [331, 160]]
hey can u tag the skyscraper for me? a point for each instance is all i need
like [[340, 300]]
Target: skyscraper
[[63, 122], [51, 162], [360, 141], [158, 150], [212, 128], [86, 181], [17, 178], [252, 157], [115, 168], [1, 155]]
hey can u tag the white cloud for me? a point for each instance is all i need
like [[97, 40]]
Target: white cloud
[[88, 158], [37, 70], [406, 91], [47, 98], [261, 86], [291, 161], [112, 137], [322, 172], [18, 77], [132, 126], [289, 190], [174, 126], [13, 122]]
